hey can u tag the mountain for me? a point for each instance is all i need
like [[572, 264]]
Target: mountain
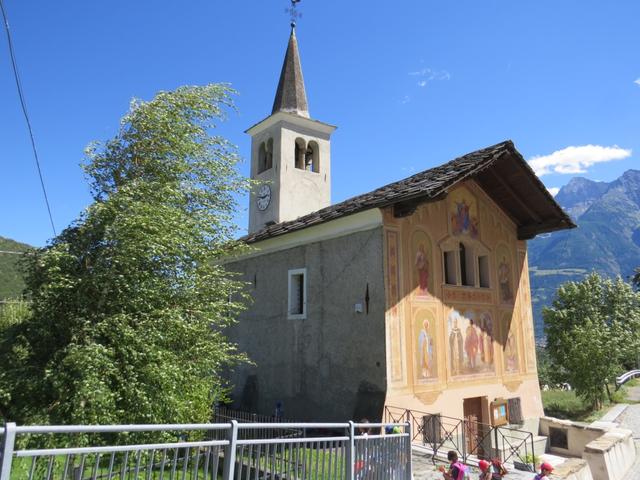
[[11, 280], [607, 239]]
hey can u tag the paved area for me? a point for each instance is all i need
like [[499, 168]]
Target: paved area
[[424, 469], [630, 419]]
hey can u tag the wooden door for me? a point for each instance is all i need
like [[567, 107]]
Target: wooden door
[[472, 424]]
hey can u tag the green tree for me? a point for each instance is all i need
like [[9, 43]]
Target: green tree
[[130, 302], [592, 333]]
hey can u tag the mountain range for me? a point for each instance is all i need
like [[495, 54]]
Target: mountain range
[[606, 241]]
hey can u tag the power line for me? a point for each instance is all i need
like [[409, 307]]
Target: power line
[[24, 110]]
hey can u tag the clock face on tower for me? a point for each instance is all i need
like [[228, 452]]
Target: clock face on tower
[[263, 197]]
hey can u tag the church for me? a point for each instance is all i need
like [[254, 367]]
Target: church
[[413, 296]]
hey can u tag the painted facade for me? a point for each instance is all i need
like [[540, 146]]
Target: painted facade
[[467, 332]]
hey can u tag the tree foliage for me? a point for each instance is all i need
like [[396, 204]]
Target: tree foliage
[[129, 303], [593, 332]]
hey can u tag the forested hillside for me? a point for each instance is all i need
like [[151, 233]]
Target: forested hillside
[[11, 281]]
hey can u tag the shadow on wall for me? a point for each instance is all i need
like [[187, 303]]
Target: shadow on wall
[[249, 400], [369, 402]]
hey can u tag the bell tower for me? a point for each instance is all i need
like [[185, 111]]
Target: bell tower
[[290, 153]]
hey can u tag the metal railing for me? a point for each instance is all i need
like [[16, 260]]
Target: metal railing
[[625, 377], [181, 452], [467, 438]]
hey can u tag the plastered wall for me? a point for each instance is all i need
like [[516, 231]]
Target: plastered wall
[[445, 342]]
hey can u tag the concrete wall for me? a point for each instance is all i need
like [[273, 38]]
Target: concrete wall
[[331, 365], [578, 435], [610, 456]]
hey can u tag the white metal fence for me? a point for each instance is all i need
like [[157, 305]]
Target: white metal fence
[[205, 451]]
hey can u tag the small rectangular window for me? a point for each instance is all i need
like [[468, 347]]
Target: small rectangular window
[[297, 304], [467, 267], [450, 268], [483, 271]]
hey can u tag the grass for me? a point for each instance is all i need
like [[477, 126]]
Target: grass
[[567, 405]]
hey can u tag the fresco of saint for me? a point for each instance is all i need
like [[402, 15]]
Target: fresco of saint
[[455, 346], [422, 267], [470, 343], [511, 354], [421, 273], [463, 213], [486, 338], [425, 351]]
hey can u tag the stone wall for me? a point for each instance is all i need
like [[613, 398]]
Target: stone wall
[[329, 366]]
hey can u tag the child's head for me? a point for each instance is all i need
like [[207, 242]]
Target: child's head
[[452, 456], [546, 468], [483, 465]]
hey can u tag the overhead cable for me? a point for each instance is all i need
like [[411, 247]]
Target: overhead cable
[[26, 115]]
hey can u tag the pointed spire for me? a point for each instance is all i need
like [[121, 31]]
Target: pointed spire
[[291, 96]]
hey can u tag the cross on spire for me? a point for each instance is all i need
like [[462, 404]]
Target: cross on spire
[[293, 12]]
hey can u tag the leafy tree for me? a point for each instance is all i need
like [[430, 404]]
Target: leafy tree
[[129, 303], [635, 279], [592, 333]]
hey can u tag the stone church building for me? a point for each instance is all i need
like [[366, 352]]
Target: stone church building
[[415, 295]]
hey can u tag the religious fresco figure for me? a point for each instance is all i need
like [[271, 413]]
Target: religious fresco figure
[[505, 288], [463, 219], [486, 338], [425, 351], [421, 273], [422, 267], [471, 344], [511, 354], [455, 346]]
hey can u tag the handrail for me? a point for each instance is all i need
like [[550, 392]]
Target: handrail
[[489, 441], [625, 377]]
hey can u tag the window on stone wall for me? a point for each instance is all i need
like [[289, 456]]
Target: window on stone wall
[[450, 268], [483, 271], [297, 303], [299, 154]]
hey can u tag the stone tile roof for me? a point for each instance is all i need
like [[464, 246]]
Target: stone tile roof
[[291, 96], [431, 185]]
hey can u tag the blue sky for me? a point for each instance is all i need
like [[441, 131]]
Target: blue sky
[[409, 84]]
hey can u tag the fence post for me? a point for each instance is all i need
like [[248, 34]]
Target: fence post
[[409, 452], [498, 451], [230, 456], [8, 443], [351, 452]]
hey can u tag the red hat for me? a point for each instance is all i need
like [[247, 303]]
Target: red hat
[[546, 466], [483, 464]]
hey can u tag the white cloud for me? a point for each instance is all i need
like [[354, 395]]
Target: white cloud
[[576, 159], [428, 75], [553, 191], [405, 99], [637, 82]]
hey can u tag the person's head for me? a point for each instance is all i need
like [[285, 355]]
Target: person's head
[[483, 465], [364, 429], [452, 456], [546, 468]]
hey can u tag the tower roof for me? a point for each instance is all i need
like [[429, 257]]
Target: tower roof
[[291, 96]]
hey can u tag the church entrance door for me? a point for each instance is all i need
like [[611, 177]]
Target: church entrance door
[[474, 426]]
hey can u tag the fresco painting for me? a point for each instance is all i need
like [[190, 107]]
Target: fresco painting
[[422, 268], [393, 316], [470, 340], [505, 274], [426, 360], [463, 213], [510, 356]]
